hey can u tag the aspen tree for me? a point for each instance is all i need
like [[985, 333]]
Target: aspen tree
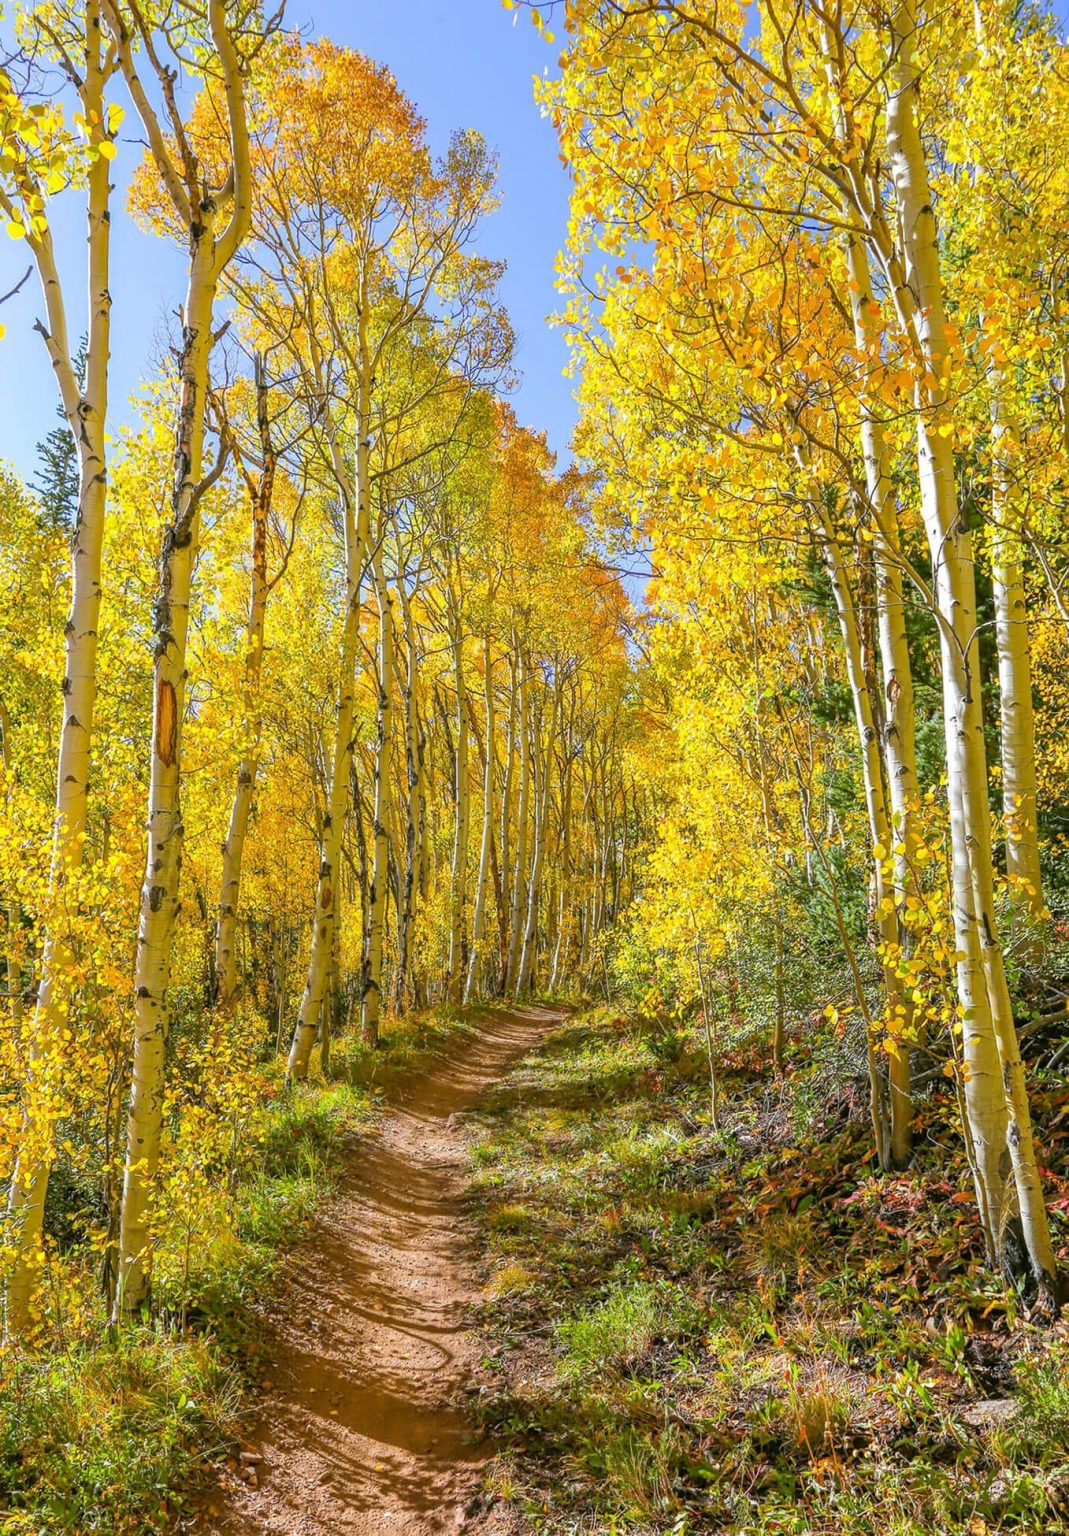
[[214, 217], [995, 1090], [518, 904], [562, 947], [1016, 718], [88, 61], [899, 744], [357, 530], [542, 781], [507, 811], [1016, 721], [892, 1136], [371, 991], [260, 488], [478, 926], [415, 752], [462, 787]]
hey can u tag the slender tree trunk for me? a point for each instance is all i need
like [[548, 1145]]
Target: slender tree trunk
[[519, 889], [542, 761], [160, 890], [560, 953], [893, 1140], [1016, 722], [372, 988], [478, 929], [458, 891], [502, 915], [85, 411], [507, 798], [899, 748], [414, 751], [1016, 719], [356, 512], [529, 913], [995, 1088], [226, 969]]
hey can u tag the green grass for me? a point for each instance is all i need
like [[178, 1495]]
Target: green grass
[[617, 1336], [109, 1433], [744, 1331], [98, 1440]]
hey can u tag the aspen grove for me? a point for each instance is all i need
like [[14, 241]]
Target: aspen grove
[[336, 707], [356, 599]]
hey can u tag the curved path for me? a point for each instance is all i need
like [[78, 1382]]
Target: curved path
[[363, 1431]]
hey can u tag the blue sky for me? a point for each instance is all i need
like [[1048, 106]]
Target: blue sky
[[466, 65]]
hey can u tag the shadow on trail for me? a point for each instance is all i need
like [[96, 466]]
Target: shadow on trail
[[364, 1429]]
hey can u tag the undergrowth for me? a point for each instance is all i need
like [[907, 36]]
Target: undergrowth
[[745, 1330], [110, 1431]]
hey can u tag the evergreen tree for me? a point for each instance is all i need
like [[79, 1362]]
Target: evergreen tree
[[56, 480]]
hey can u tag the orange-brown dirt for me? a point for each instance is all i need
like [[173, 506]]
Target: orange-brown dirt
[[363, 1430]]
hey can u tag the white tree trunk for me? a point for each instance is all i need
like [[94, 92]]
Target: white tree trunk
[[458, 891], [414, 751], [356, 511], [85, 411], [519, 887], [372, 989], [478, 928], [564, 917], [507, 797], [899, 748], [1016, 719], [226, 968], [160, 890], [995, 1088], [892, 1140], [543, 761]]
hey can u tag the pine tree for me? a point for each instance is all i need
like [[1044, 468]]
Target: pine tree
[[56, 480]]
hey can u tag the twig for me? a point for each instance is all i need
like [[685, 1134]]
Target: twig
[[11, 292]]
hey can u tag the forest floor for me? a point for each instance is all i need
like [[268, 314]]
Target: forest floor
[[366, 1354], [691, 1332], [547, 1298]]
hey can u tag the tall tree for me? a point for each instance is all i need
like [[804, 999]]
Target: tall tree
[[41, 159], [210, 205]]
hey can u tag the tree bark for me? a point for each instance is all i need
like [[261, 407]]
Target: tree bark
[[478, 929], [356, 513], [995, 1088], [372, 988], [260, 495], [458, 890], [85, 411], [518, 904]]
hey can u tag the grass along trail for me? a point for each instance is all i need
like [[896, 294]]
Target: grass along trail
[[747, 1331], [363, 1428]]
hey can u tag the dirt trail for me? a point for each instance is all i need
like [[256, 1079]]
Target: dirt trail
[[363, 1430]]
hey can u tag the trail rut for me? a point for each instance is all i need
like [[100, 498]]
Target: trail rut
[[363, 1431]]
